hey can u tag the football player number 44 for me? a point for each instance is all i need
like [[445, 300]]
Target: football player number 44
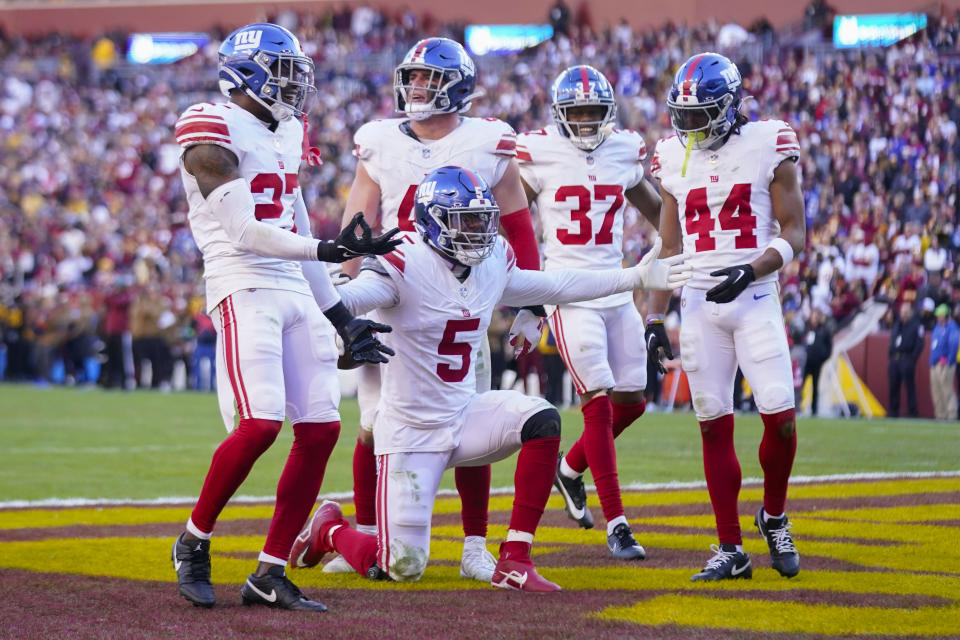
[[735, 215], [582, 197], [450, 347]]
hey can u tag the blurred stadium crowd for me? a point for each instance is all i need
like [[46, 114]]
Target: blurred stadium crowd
[[98, 267]]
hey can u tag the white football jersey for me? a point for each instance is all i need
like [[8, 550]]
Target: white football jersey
[[581, 198], [439, 323], [398, 162], [724, 198], [269, 162]]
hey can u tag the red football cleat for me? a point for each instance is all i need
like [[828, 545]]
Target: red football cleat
[[312, 543], [516, 571]]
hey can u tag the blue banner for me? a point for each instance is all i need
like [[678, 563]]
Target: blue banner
[[163, 48], [875, 30], [504, 39]]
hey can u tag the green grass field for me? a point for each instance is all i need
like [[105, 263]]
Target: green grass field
[[69, 443]]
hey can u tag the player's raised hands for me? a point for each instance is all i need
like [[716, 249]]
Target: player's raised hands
[[655, 273], [349, 245]]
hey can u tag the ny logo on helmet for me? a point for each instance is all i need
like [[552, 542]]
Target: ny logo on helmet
[[730, 75], [248, 39], [426, 191]]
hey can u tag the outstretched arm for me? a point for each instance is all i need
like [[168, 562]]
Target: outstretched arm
[[575, 285]]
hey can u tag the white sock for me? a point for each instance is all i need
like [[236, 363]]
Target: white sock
[[566, 471], [269, 559], [767, 517], [613, 523], [519, 536], [192, 529], [369, 529]]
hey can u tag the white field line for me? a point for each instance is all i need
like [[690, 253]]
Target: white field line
[[637, 486]]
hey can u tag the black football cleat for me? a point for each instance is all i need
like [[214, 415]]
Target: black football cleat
[[574, 496], [623, 545], [726, 564], [274, 589], [192, 564], [783, 554]]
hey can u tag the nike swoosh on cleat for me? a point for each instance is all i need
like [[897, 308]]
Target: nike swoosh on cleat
[[269, 598], [756, 297], [176, 563], [738, 570]]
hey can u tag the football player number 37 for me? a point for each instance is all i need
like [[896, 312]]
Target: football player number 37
[[735, 215], [450, 347], [280, 185], [580, 215]]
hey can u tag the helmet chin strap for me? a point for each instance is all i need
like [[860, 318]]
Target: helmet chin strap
[[278, 110]]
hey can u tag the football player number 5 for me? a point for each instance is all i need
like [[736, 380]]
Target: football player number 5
[[450, 347], [735, 215], [580, 215]]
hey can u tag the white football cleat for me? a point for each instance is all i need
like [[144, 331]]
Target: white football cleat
[[477, 563]]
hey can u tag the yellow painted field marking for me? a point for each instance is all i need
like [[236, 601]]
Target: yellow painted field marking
[[787, 617]]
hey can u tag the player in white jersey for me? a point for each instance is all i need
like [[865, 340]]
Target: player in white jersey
[[276, 356], [581, 171], [433, 87], [439, 290], [732, 194]]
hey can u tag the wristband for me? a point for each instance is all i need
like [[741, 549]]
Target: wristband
[[654, 317], [782, 247], [338, 315]]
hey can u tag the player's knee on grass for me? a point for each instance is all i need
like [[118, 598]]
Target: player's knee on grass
[[407, 562], [543, 424], [708, 406]]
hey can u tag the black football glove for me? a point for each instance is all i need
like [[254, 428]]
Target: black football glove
[[738, 279], [359, 342], [658, 344], [348, 245]]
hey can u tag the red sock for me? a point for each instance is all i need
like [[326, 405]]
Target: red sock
[[777, 451], [231, 463], [365, 483], [358, 549], [722, 470], [625, 414], [533, 480], [597, 441], [300, 483], [473, 485]]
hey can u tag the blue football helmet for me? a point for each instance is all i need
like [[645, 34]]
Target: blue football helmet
[[583, 88], [704, 99], [266, 62], [457, 215], [450, 87]]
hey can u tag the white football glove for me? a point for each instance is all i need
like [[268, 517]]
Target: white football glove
[[525, 332], [663, 274], [335, 271]]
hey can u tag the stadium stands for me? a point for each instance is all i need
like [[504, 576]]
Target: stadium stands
[[91, 205]]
